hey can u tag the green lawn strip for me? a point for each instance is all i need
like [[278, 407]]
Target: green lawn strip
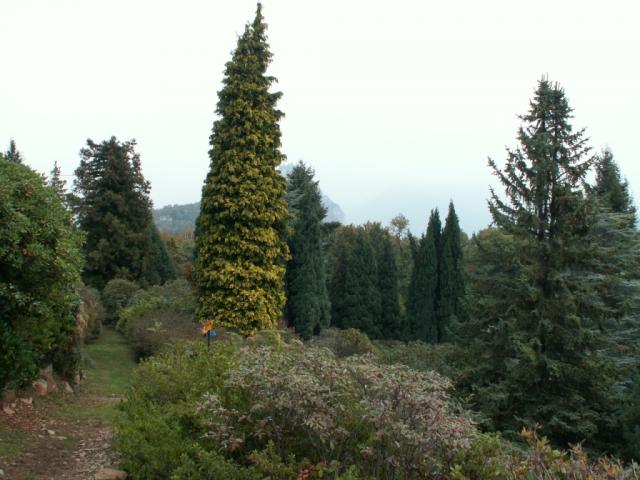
[[108, 368]]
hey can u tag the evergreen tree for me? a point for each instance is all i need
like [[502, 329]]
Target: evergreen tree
[[241, 231], [307, 307], [451, 276], [353, 288], [13, 155], [158, 266], [111, 200], [58, 184], [610, 188], [423, 289], [390, 320], [540, 286]]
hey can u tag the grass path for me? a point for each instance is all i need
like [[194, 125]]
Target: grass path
[[67, 436]]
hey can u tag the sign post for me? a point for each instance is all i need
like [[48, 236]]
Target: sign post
[[207, 329]]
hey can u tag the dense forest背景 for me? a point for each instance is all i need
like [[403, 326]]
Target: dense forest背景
[[341, 351]]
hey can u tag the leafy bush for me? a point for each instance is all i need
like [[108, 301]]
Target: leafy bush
[[40, 261], [159, 316], [287, 412], [345, 343], [491, 458], [116, 295], [152, 331], [444, 358]]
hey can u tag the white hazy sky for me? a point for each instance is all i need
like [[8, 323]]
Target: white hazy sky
[[395, 104]]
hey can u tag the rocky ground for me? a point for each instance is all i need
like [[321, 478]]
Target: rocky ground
[[67, 433]]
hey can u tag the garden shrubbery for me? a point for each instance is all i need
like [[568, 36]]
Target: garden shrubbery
[[259, 411], [158, 316], [248, 411], [116, 296], [345, 343]]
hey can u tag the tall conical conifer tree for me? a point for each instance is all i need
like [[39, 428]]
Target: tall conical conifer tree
[[390, 320], [307, 308], [13, 155], [58, 184], [423, 289], [611, 189], [353, 288], [112, 204], [451, 276], [540, 286], [241, 231]]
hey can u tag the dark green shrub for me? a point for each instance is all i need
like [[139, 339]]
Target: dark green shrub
[[116, 296], [151, 331], [345, 343], [40, 261], [444, 358]]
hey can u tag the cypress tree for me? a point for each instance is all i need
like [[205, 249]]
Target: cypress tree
[[541, 284], [390, 320], [353, 288], [307, 308], [241, 231], [451, 277], [111, 200], [423, 289]]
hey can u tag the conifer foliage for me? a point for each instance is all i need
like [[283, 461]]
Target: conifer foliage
[[13, 155], [241, 231], [423, 289], [307, 307], [111, 200], [353, 287], [451, 287], [611, 189], [538, 293]]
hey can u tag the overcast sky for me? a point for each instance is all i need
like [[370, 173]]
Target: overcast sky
[[397, 105]]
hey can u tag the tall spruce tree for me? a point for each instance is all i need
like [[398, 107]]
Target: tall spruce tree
[[58, 184], [423, 289], [13, 155], [451, 276], [539, 288], [307, 308], [241, 231], [111, 201], [610, 188]]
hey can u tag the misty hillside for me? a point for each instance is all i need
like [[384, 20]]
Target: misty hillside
[[175, 218]]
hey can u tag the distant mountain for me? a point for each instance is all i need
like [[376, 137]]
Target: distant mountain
[[176, 218], [334, 212]]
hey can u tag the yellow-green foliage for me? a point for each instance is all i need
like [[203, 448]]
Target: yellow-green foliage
[[240, 232]]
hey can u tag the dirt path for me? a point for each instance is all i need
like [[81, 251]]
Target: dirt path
[[68, 436]]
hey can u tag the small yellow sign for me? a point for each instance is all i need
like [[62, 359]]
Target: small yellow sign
[[207, 327]]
